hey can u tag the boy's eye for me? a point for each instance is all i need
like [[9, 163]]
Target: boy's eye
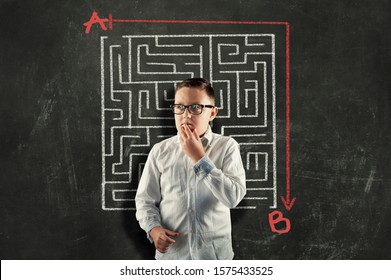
[[195, 106], [182, 107]]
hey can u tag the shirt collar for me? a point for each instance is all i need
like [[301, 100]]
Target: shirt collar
[[207, 138]]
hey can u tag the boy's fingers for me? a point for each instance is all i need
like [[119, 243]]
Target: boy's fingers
[[184, 131], [187, 129], [188, 132], [169, 240], [166, 241], [172, 233], [165, 236]]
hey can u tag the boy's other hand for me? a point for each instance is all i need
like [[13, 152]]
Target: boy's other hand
[[161, 238], [191, 143]]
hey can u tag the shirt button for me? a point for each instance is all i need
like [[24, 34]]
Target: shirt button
[[190, 210]]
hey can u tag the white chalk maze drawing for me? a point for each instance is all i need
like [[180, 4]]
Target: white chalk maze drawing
[[138, 77]]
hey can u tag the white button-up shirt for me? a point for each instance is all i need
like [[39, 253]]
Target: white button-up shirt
[[192, 199]]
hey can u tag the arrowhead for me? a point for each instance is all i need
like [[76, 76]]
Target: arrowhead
[[288, 203]]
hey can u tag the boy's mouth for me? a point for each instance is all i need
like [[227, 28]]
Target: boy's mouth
[[191, 127]]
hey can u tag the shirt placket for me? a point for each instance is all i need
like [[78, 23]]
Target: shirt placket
[[191, 210]]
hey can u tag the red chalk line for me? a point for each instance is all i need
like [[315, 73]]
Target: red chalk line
[[287, 201]]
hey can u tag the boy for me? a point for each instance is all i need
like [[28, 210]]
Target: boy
[[190, 181]]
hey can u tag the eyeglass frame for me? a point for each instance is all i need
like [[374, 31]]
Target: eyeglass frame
[[187, 107]]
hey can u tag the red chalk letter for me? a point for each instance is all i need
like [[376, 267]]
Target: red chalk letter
[[274, 220], [95, 19]]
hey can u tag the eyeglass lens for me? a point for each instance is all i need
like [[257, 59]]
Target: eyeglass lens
[[194, 109]]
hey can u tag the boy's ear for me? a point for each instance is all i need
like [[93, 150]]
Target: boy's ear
[[213, 113]]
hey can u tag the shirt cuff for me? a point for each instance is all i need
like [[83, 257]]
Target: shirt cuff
[[150, 225], [204, 166]]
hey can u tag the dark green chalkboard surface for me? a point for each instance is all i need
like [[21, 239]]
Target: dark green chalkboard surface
[[304, 86]]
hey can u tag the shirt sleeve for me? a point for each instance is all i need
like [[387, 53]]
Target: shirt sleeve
[[148, 196], [227, 184]]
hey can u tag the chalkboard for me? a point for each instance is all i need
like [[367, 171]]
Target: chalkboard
[[302, 86]]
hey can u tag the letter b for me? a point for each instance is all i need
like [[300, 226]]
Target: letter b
[[273, 220]]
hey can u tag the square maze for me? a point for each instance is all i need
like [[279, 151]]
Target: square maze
[[138, 77]]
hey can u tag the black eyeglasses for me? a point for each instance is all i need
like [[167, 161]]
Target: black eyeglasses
[[194, 109]]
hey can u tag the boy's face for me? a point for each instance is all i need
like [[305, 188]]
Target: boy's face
[[188, 96]]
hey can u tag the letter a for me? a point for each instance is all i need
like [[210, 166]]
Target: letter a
[[274, 220], [95, 19]]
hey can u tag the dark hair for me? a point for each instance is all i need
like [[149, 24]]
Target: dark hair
[[200, 83]]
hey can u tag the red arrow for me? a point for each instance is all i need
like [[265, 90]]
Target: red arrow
[[288, 203]]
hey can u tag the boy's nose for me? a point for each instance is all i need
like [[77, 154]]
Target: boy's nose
[[186, 114]]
